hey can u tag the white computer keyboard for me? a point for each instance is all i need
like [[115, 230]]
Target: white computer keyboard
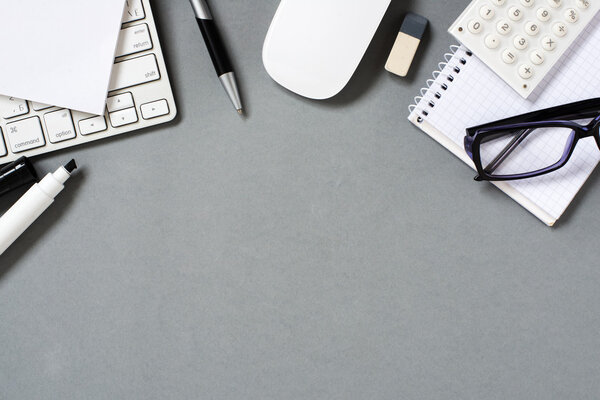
[[140, 96], [521, 40]]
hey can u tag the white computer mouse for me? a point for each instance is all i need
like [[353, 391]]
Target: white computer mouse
[[313, 47]]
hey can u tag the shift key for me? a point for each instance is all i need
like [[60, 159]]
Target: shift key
[[134, 72]]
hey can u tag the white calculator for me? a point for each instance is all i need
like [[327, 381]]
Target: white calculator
[[521, 40]]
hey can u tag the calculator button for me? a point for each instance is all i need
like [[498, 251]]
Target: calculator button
[[531, 28], [582, 4], [555, 3], [559, 29], [503, 27], [548, 44], [520, 42], [498, 2], [92, 125], [571, 15], [475, 26], [25, 134], [527, 3], [515, 13], [509, 56], [525, 71], [487, 12], [59, 125], [536, 57], [543, 14], [492, 41]]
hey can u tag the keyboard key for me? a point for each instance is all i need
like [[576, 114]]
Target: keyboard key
[[134, 40], [3, 150], [527, 3], [25, 134], [134, 11], [499, 2], [12, 107], [92, 125], [134, 72], [582, 4], [39, 106], [119, 102], [123, 117], [59, 126], [155, 109]]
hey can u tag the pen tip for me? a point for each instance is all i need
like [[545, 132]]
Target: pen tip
[[240, 111], [71, 166]]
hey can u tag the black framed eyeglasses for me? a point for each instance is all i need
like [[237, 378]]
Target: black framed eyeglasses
[[531, 144]]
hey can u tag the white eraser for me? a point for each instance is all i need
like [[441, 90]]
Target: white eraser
[[406, 45]]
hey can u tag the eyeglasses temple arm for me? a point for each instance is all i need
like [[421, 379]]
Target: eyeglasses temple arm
[[509, 148], [579, 110]]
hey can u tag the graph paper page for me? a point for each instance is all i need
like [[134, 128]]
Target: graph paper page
[[477, 95]]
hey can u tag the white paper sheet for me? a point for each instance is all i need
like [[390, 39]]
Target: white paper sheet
[[59, 52]]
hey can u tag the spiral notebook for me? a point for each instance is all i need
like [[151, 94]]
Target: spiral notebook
[[465, 93]]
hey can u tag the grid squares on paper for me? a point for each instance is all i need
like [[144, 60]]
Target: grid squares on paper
[[477, 96]]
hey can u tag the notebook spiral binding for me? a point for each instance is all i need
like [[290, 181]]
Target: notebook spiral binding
[[448, 68]]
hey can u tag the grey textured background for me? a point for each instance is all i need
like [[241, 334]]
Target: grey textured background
[[314, 250]]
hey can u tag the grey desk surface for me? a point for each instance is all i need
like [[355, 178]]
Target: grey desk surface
[[313, 250]]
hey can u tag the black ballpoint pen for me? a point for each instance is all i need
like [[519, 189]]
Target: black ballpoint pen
[[217, 52]]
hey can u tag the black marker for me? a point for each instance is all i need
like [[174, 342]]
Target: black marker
[[217, 52]]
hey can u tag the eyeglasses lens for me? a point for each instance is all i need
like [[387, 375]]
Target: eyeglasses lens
[[523, 151]]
